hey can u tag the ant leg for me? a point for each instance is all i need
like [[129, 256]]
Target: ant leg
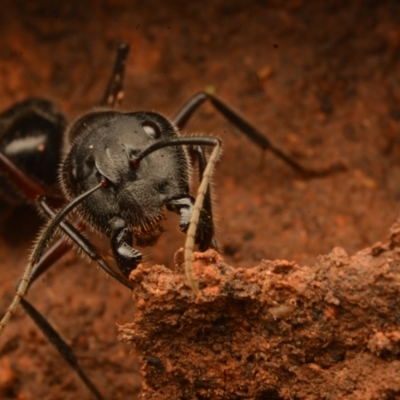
[[207, 204], [182, 117], [197, 208], [61, 346], [113, 95], [56, 251], [205, 229], [126, 256], [32, 190], [38, 250], [184, 206], [114, 92], [84, 244]]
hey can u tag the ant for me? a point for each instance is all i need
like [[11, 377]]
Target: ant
[[121, 173]]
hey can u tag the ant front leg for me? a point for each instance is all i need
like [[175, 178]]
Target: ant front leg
[[83, 243], [126, 256], [205, 229]]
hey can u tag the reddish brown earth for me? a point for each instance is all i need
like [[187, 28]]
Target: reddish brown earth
[[322, 80], [274, 331]]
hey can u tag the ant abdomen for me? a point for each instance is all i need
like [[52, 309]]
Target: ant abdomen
[[31, 136]]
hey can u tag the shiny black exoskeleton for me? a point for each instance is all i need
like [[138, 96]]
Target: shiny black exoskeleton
[[133, 202], [31, 136]]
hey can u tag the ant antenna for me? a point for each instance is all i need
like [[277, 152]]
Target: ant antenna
[[201, 192], [38, 251]]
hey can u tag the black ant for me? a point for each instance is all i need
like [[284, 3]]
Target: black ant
[[122, 171]]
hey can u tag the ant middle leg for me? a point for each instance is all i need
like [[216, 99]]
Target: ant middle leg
[[184, 114]]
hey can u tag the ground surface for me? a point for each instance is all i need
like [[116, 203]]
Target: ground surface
[[321, 79], [275, 331]]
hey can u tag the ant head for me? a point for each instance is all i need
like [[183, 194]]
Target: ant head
[[105, 145]]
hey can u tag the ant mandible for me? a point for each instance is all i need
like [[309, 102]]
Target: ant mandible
[[122, 171]]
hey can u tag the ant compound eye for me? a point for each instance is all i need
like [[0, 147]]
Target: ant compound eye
[[151, 129]]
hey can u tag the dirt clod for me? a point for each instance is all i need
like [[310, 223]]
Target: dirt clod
[[271, 331]]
